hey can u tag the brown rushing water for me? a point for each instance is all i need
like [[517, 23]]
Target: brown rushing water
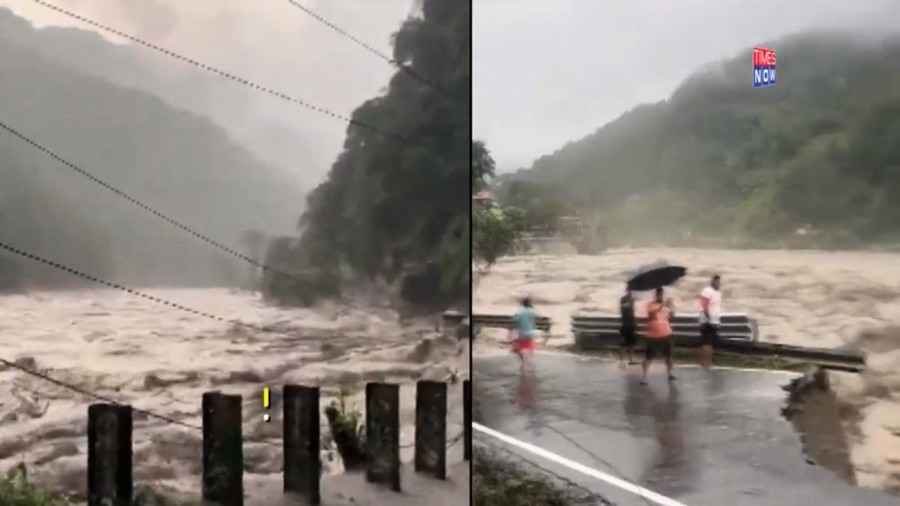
[[162, 359]]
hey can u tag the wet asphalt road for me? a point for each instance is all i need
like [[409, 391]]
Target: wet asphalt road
[[715, 438]]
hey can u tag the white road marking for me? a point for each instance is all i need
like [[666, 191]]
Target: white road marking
[[581, 468]]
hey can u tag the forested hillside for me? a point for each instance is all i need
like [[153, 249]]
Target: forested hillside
[[720, 160], [175, 161], [390, 208]]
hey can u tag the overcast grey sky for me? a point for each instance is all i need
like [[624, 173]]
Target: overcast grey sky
[[549, 72], [269, 41]]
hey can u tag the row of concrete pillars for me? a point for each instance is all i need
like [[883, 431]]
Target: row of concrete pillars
[[110, 478]]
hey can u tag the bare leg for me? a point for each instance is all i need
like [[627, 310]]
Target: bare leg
[[645, 366], [706, 356], [669, 368]]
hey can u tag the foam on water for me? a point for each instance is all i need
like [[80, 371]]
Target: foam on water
[[162, 359]]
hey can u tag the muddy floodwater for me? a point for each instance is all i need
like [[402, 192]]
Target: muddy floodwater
[[813, 298], [161, 359]]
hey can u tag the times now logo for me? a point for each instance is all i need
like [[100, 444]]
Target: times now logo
[[763, 67]]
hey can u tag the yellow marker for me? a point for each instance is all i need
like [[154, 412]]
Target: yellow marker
[[266, 416]]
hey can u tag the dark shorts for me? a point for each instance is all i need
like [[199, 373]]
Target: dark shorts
[[657, 347], [629, 336], [709, 334]]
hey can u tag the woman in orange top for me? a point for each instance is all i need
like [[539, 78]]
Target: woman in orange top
[[659, 333]]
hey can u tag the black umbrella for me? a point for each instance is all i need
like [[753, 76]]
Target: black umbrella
[[655, 277]]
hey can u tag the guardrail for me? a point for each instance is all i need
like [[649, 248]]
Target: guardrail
[[593, 330], [543, 323], [738, 332]]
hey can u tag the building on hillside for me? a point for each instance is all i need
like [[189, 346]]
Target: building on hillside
[[483, 200]]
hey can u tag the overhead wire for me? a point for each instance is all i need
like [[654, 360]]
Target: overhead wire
[[168, 219], [225, 74], [392, 61], [145, 207], [109, 400], [203, 66], [93, 395], [159, 300], [111, 284]]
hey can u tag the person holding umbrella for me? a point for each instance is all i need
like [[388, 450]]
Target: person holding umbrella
[[660, 312], [658, 335]]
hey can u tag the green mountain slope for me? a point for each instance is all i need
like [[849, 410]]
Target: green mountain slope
[[722, 160]]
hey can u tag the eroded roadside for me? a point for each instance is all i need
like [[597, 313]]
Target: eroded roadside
[[830, 423]]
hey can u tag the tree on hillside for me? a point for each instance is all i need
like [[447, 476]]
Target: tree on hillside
[[495, 233], [482, 166], [388, 205], [542, 204]]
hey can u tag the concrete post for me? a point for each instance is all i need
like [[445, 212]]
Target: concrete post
[[302, 464], [383, 434], [431, 428], [110, 479], [223, 458]]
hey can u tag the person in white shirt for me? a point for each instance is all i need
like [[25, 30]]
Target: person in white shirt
[[710, 319]]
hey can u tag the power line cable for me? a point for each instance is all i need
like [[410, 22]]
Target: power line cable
[[110, 284], [223, 73], [102, 398], [93, 395], [158, 300], [108, 400], [405, 68], [151, 414], [145, 207]]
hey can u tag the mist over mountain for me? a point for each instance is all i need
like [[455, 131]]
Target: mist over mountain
[[819, 151], [176, 161], [274, 141]]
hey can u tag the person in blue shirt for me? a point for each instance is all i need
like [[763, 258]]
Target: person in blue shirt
[[525, 328]]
